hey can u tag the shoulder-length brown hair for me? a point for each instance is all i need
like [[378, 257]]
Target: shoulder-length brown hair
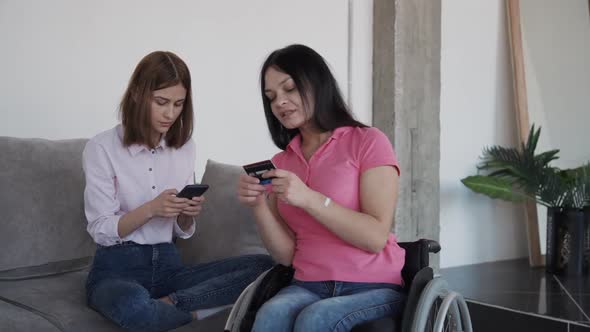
[[157, 70]]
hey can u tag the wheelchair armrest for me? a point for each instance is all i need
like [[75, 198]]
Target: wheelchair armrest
[[422, 246], [431, 245], [417, 257]]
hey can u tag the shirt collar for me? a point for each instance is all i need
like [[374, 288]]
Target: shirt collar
[[295, 143], [134, 149]]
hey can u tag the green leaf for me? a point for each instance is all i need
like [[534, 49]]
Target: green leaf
[[547, 156], [494, 187]]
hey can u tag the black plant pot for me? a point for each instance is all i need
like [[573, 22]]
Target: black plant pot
[[553, 218], [567, 241]]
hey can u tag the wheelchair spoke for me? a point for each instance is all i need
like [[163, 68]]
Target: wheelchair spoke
[[450, 322]]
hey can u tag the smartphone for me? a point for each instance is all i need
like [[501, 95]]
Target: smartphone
[[192, 190], [257, 169]]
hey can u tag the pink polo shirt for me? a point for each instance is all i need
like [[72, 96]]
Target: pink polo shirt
[[335, 170]]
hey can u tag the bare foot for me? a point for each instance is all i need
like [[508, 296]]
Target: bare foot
[[166, 299]]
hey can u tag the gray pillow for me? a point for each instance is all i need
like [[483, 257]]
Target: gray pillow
[[42, 204], [225, 227]]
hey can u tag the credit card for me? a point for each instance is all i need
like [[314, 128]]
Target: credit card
[[257, 169]]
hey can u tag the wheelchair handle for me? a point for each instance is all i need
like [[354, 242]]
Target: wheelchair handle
[[432, 245]]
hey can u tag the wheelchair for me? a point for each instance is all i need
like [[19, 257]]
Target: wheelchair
[[430, 304]]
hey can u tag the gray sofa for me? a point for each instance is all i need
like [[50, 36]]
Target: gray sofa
[[46, 252]]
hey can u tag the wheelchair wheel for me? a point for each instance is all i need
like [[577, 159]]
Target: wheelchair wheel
[[439, 309]]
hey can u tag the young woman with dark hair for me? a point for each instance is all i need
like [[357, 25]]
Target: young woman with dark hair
[[133, 173], [330, 208]]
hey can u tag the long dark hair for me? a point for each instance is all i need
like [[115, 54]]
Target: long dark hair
[[311, 75], [157, 70]]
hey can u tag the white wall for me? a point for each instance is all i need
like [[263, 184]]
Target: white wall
[[476, 110], [65, 63], [557, 67], [557, 71]]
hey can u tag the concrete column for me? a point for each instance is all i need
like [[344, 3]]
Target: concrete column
[[406, 106]]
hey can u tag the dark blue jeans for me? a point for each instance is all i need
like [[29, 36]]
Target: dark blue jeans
[[328, 306], [126, 281]]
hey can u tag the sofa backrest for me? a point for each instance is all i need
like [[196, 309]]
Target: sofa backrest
[[225, 227], [42, 204], [42, 221]]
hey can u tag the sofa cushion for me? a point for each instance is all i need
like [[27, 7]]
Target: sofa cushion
[[42, 203], [60, 301], [225, 227], [215, 322], [15, 318], [45, 270]]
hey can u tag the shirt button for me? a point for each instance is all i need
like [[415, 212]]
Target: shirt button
[[153, 187], [150, 169], [153, 151]]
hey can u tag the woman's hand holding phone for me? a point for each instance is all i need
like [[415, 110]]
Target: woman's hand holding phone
[[193, 193], [168, 205], [195, 206]]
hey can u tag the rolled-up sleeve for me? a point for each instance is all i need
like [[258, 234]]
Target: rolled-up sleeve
[[182, 234], [190, 179], [101, 206]]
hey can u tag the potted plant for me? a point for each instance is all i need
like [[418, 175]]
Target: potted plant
[[516, 175]]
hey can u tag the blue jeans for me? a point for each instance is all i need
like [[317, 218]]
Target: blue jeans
[[328, 306], [126, 281]]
